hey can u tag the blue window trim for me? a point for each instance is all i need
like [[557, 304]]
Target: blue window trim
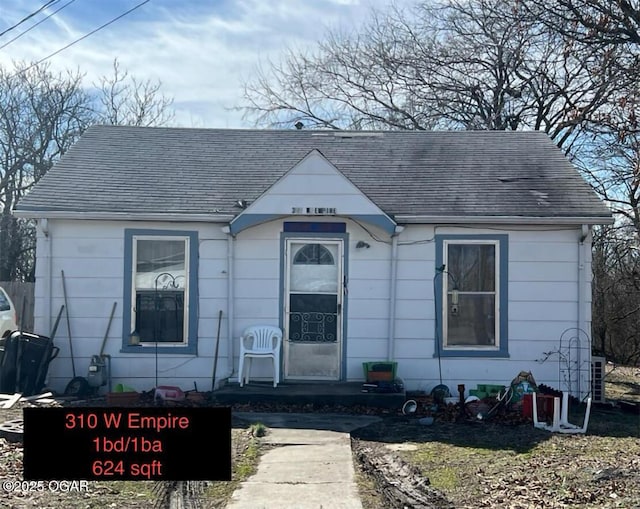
[[503, 247], [191, 345]]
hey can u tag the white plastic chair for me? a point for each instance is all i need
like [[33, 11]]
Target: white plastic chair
[[262, 342]]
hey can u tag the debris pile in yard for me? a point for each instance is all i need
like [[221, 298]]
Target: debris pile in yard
[[12, 427], [8, 401]]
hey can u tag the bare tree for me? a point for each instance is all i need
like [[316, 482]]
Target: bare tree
[[41, 116], [481, 64], [616, 294], [570, 68], [124, 100], [611, 162], [602, 22]]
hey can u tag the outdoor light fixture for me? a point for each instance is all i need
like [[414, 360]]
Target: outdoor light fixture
[[361, 244], [454, 296]]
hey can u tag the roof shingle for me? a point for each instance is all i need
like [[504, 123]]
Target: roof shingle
[[406, 173]]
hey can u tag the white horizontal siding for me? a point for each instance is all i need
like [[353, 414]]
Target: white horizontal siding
[[417, 289], [543, 311], [312, 185], [367, 349], [258, 309], [543, 271], [532, 291], [414, 309], [543, 286], [212, 268], [411, 328], [364, 269], [424, 374], [366, 288], [372, 308], [257, 269], [212, 289], [416, 270], [534, 330], [543, 298], [91, 254], [367, 328], [544, 251], [313, 182]]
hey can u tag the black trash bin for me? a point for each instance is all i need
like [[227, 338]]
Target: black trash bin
[[8, 363], [24, 362]]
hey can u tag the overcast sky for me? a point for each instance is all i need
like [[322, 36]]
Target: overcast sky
[[200, 50]]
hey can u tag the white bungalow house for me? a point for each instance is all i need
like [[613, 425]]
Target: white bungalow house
[[464, 257]]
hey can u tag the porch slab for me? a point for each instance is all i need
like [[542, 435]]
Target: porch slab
[[346, 394]]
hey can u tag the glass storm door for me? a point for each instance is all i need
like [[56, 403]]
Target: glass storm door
[[313, 309]]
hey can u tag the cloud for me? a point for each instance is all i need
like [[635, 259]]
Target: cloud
[[200, 51]]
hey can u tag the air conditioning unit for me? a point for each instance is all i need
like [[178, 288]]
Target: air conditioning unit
[[598, 365]]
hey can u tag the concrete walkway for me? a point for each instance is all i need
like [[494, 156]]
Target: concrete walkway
[[309, 467]]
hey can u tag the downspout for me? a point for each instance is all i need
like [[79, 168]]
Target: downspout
[[230, 298], [48, 291], [392, 293], [583, 333]]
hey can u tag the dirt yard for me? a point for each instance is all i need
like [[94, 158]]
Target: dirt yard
[[402, 464], [475, 464]]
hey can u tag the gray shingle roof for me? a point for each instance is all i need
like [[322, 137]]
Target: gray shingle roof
[[423, 173]]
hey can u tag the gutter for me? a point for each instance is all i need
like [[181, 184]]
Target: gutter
[[48, 293], [123, 216], [492, 220], [226, 218]]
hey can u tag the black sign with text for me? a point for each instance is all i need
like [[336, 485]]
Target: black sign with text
[[119, 444]]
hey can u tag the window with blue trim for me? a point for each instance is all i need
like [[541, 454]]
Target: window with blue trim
[[471, 295], [160, 300]]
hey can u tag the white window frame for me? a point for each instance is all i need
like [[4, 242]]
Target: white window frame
[[134, 288], [447, 282]]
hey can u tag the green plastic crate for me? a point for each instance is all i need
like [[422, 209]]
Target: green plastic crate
[[379, 367], [493, 390]]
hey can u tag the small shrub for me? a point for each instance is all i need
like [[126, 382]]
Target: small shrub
[[258, 429]]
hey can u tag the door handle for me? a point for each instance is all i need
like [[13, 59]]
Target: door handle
[[339, 308]]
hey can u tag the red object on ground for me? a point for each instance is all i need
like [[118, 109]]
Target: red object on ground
[[169, 393], [545, 406], [527, 405]]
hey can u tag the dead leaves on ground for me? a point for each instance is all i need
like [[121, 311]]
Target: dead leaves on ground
[[563, 472]]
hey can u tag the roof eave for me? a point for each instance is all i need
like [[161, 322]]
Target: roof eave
[[567, 220], [123, 216]]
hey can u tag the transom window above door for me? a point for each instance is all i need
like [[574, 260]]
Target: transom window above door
[[313, 254]]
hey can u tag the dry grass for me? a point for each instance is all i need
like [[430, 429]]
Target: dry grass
[[493, 465], [622, 383]]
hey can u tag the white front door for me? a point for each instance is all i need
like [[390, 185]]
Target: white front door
[[313, 309]]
